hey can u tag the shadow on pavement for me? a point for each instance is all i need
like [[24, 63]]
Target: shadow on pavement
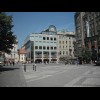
[[2, 69]]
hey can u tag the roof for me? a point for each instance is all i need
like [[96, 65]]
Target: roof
[[22, 51]]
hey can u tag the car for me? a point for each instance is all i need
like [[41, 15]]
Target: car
[[98, 62]]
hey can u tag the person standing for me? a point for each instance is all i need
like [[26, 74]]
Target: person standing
[[13, 63]]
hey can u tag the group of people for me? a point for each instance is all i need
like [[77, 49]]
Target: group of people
[[10, 62]]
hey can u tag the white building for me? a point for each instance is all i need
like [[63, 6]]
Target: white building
[[14, 53], [49, 45], [42, 47], [22, 55]]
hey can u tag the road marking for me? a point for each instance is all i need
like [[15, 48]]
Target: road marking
[[38, 78]]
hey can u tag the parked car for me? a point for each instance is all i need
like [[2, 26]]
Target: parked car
[[98, 62]]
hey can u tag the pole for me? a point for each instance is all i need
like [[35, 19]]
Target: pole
[[25, 67]]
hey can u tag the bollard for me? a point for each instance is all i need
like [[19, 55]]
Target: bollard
[[33, 67], [25, 67]]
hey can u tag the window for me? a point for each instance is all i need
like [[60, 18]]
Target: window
[[66, 42], [63, 52], [40, 47], [51, 48], [59, 42], [54, 39], [44, 38], [44, 47], [51, 38], [47, 38], [55, 48], [63, 47], [63, 42], [36, 47], [69, 42], [47, 48]]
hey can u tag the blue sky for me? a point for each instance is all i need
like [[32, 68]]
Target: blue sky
[[35, 22]]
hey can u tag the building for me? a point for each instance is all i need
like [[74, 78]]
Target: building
[[22, 54], [87, 29], [49, 45], [42, 47], [14, 53], [65, 45], [78, 33]]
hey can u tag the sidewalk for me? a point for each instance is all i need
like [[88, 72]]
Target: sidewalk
[[12, 76]]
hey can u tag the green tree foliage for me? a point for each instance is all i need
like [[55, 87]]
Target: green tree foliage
[[86, 55], [7, 39]]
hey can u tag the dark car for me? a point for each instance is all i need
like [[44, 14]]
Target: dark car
[[98, 62]]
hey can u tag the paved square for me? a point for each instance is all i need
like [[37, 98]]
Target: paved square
[[92, 81]]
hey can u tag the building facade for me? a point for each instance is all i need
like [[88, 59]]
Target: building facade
[[78, 33], [65, 45], [22, 54], [42, 47], [87, 26], [48, 46], [14, 53]]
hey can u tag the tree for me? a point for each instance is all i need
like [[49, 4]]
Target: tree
[[7, 39], [85, 55]]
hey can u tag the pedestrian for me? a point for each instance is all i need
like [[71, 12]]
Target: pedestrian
[[13, 63], [10, 63]]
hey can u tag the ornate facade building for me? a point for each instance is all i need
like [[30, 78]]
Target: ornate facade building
[[87, 29]]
